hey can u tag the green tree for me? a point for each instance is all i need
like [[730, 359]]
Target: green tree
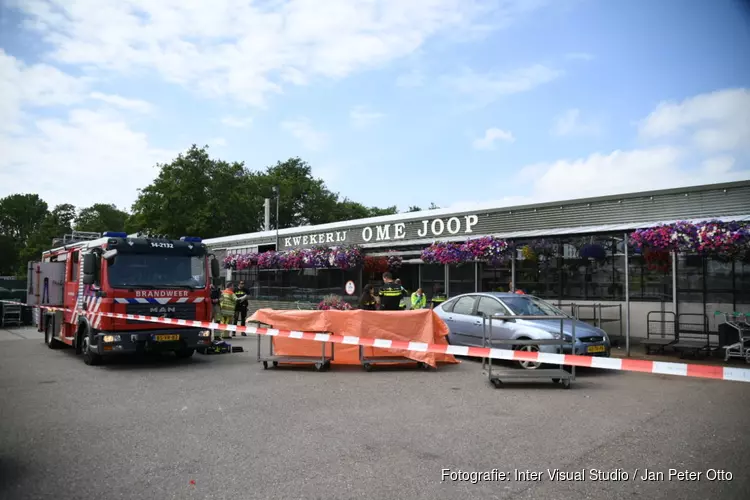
[[9, 250], [414, 208], [56, 224], [21, 215], [196, 195], [101, 217]]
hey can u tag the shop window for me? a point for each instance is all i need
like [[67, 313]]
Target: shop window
[[304, 285], [494, 278], [433, 278], [462, 279]]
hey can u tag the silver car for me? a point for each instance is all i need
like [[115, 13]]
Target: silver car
[[463, 314]]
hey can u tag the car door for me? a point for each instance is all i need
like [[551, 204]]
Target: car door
[[461, 319], [490, 306]]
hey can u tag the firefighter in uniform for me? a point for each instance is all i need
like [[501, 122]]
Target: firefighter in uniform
[[390, 294], [228, 304], [438, 297]]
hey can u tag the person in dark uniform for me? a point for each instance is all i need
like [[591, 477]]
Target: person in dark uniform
[[404, 295], [215, 307], [368, 301], [438, 296], [390, 294], [240, 311]]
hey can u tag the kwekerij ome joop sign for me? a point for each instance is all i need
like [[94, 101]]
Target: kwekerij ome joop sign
[[411, 230]]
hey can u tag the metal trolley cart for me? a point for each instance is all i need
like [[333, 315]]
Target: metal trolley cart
[[323, 362], [739, 322], [367, 363], [497, 376]]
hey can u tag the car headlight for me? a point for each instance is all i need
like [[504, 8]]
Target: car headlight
[[111, 338], [204, 333]]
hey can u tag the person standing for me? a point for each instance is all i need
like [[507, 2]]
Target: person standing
[[240, 311], [228, 304], [390, 294], [404, 295], [368, 301], [438, 296], [418, 299]]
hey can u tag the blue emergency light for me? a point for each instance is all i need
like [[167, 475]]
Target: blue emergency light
[[191, 239], [114, 234]]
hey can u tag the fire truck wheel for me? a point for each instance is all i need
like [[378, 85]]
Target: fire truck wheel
[[90, 358], [49, 338], [184, 353]]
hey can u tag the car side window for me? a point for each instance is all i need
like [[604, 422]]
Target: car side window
[[490, 307], [448, 306], [464, 305]]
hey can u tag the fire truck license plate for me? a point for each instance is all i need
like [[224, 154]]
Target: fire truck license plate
[[167, 338]]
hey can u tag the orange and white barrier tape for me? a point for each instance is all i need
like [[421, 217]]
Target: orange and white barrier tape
[[629, 365]]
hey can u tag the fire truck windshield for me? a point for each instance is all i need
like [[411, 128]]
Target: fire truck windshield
[[156, 271]]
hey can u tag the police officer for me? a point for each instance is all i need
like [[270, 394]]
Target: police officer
[[390, 294], [240, 311], [438, 296]]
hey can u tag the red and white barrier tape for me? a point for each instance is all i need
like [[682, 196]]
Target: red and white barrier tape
[[630, 365]]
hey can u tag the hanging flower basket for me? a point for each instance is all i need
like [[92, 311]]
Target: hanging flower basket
[[348, 257], [487, 249], [714, 238], [394, 262], [528, 253], [546, 248], [593, 251], [269, 260], [377, 265], [334, 302], [240, 261]]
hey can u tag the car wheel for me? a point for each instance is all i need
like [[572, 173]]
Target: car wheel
[[528, 365]]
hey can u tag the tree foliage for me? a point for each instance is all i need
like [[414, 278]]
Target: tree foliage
[[194, 195]]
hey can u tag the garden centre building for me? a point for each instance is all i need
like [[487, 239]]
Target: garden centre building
[[566, 252]]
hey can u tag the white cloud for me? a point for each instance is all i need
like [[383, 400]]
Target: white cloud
[[90, 157], [303, 130], [249, 50], [414, 78], [490, 137], [569, 123], [672, 163], [23, 86], [486, 88], [217, 142], [579, 56], [136, 105], [234, 121], [716, 122], [361, 117]]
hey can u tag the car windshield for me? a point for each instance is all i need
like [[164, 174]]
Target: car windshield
[[531, 306], [156, 271]]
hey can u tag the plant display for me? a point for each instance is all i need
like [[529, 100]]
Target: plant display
[[334, 302], [716, 238], [592, 251], [316, 257], [487, 249], [379, 265]]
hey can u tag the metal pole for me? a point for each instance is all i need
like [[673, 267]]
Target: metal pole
[[278, 195], [674, 282], [627, 298], [476, 276], [513, 271]]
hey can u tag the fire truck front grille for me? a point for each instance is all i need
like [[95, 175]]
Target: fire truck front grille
[[176, 311]]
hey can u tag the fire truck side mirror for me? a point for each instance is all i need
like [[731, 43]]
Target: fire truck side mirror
[[89, 268], [215, 271]]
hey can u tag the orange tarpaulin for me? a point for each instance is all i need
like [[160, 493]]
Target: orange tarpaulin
[[411, 326]]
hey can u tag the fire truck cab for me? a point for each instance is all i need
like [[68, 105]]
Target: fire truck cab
[[137, 274]]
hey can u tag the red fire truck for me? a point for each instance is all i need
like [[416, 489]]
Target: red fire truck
[[136, 274]]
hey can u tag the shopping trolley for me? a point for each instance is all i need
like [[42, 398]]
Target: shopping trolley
[[737, 321]]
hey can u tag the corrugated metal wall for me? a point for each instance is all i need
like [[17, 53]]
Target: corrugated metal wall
[[687, 204]]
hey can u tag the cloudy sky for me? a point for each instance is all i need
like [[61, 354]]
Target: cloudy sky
[[391, 101]]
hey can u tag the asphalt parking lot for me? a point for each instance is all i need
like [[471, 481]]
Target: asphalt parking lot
[[220, 427]]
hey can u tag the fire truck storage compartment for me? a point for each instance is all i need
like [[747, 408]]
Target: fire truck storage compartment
[[47, 281]]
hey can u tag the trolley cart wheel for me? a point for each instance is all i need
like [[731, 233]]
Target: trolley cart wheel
[[566, 383], [367, 367], [497, 383], [265, 365], [319, 367], [275, 364]]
